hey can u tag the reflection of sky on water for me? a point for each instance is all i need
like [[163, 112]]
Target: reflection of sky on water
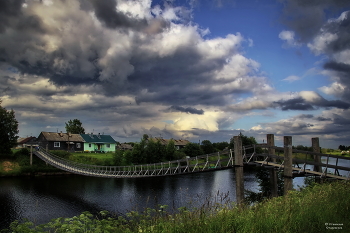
[[41, 199]]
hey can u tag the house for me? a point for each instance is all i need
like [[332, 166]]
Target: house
[[181, 143], [27, 142], [124, 146], [98, 143], [61, 141]]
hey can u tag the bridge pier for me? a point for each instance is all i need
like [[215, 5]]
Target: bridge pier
[[288, 162], [239, 170], [273, 172], [316, 148]]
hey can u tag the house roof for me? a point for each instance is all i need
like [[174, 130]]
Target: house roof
[[180, 142], [97, 138], [125, 146], [26, 140], [62, 137]]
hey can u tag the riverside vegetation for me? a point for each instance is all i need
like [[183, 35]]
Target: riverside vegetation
[[316, 208]]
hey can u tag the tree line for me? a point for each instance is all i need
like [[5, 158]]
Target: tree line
[[153, 151], [342, 147]]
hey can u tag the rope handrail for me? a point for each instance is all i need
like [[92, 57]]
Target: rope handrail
[[162, 168]]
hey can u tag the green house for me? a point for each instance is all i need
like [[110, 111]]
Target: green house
[[98, 143]]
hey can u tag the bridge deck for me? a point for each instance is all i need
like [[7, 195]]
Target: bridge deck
[[302, 170]]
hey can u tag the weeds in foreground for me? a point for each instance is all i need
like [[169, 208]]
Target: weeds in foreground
[[318, 208]]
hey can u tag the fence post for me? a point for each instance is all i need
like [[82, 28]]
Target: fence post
[[239, 170], [273, 173], [288, 161]]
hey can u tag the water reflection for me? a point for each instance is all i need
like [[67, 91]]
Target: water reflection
[[41, 199]]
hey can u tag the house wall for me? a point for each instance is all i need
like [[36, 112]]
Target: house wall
[[59, 145], [92, 147]]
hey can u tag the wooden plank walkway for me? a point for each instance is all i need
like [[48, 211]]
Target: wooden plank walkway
[[302, 170]]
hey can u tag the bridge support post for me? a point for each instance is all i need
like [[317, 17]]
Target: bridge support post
[[288, 162], [273, 172], [31, 155], [239, 170], [316, 148]]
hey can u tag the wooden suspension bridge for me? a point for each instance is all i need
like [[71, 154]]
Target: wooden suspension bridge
[[269, 156]]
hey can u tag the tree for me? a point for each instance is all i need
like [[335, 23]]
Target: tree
[[75, 126], [207, 147], [170, 150], [8, 130], [192, 149]]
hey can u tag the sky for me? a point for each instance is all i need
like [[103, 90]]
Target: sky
[[183, 69]]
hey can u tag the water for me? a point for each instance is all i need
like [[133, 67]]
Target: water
[[40, 199]]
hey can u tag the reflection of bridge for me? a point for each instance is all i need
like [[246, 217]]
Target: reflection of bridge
[[293, 162]]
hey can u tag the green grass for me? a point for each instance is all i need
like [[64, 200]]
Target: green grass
[[314, 209]]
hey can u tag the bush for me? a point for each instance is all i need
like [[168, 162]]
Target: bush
[[61, 153], [22, 151]]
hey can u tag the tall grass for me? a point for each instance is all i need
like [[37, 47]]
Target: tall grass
[[314, 209]]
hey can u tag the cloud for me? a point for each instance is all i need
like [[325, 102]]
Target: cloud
[[324, 26], [306, 18], [291, 78], [288, 37], [186, 110], [309, 100]]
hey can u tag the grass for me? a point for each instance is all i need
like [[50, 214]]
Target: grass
[[318, 208]]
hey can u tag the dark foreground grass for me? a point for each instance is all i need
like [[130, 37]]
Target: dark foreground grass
[[318, 208]]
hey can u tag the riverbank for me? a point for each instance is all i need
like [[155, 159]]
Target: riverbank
[[318, 208]]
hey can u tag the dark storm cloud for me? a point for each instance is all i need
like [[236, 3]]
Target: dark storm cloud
[[294, 104], [307, 116], [106, 12], [8, 11], [320, 118], [340, 120], [339, 67], [301, 104], [306, 17], [189, 110]]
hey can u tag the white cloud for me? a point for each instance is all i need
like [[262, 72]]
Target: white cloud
[[291, 78], [336, 89], [288, 37]]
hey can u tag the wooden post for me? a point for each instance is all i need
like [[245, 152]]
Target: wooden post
[[239, 170], [316, 149], [31, 155], [288, 162], [273, 173]]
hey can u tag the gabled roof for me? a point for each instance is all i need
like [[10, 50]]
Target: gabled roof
[[124, 146], [25, 140], [97, 138], [62, 137], [163, 141]]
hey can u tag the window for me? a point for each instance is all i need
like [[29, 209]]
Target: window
[[89, 145], [56, 144], [78, 145], [108, 145]]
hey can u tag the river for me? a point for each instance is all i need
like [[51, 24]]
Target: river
[[40, 199]]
